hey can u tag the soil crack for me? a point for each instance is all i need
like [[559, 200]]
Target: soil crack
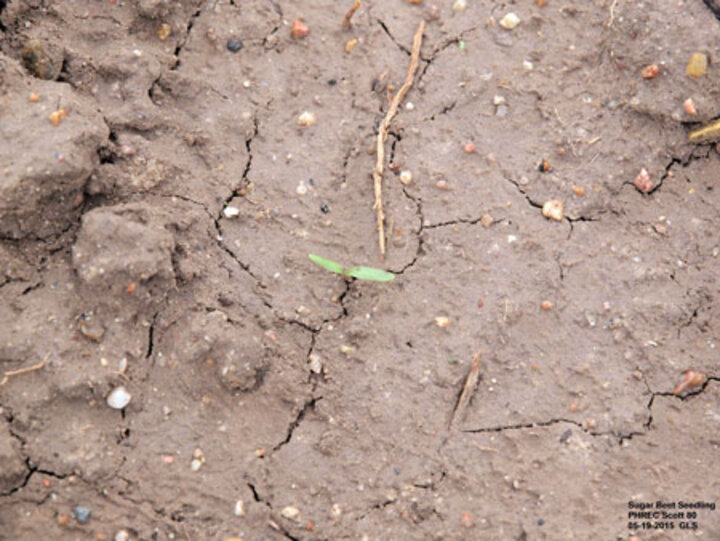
[[308, 406]]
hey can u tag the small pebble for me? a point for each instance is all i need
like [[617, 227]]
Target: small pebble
[[82, 514], [459, 5], [163, 31], [234, 45], [316, 366], [409, 106], [697, 65], [349, 44], [690, 380], [299, 29], [510, 21], [231, 212], [119, 398], [41, 60], [324, 208], [122, 535], [306, 119], [661, 229], [578, 190], [34, 98], [335, 511], [63, 519], [441, 185], [650, 72], [501, 111], [239, 510], [56, 117], [689, 107], [544, 166], [406, 177], [466, 520], [469, 148], [546, 305], [290, 512], [198, 460], [553, 210], [301, 189], [486, 220], [642, 182], [499, 100], [527, 65], [442, 322]]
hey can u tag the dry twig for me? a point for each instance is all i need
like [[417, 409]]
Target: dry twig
[[467, 392], [10, 373], [383, 130], [347, 23]]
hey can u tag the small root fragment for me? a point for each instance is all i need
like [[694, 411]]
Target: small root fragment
[[10, 373], [383, 131]]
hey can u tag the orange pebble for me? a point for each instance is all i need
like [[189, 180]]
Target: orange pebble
[[299, 29], [650, 72], [34, 97]]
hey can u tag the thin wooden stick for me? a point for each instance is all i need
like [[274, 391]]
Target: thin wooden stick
[[347, 23], [382, 134], [467, 392], [11, 373]]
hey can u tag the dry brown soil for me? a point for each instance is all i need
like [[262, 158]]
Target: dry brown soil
[[323, 405]]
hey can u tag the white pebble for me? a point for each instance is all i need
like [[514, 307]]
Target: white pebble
[[122, 535], [239, 510], [290, 512], [527, 65], [231, 212], [459, 5], [409, 106], [118, 398], [553, 210], [307, 119], [499, 100], [315, 364], [510, 21], [406, 177], [301, 188]]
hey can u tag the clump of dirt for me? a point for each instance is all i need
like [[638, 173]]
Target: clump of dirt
[[167, 167]]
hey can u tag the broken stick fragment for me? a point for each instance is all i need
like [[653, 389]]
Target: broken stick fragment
[[708, 134], [383, 131], [468, 389], [347, 23]]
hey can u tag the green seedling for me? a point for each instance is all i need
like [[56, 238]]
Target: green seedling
[[359, 272]]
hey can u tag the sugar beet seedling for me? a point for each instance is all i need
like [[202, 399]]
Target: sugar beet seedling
[[359, 272]]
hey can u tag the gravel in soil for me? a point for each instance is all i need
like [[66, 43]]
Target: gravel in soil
[[175, 367]]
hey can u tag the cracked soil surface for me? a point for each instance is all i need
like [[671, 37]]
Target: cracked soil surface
[[294, 388]]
